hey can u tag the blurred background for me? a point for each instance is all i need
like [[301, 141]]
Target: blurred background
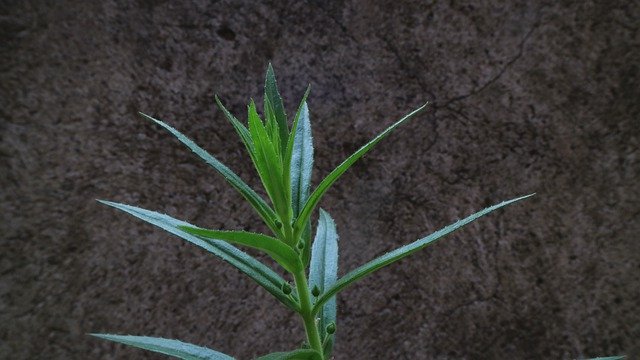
[[528, 96]]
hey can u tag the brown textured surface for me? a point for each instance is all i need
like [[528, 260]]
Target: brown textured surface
[[530, 97]]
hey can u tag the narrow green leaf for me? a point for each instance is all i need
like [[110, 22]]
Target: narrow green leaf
[[268, 164], [323, 272], [620, 357], [301, 354], [275, 101], [279, 251], [301, 161], [169, 347], [242, 131], [259, 272], [254, 199], [317, 194], [403, 252]]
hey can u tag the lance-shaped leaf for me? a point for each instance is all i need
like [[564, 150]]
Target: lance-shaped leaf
[[254, 199], [279, 251], [301, 161], [273, 104], [268, 164], [317, 194], [256, 270], [242, 131], [301, 354], [403, 252], [169, 347], [619, 357], [323, 272]]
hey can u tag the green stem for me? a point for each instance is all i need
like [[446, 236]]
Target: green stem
[[306, 311]]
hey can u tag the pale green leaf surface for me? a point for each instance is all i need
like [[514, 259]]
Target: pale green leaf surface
[[620, 357], [403, 252], [301, 354], [260, 273], [323, 271], [279, 251], [254, 199], [317, 194], [169, 347], [301, 161]]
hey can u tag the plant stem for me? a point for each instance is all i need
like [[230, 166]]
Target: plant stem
[[310, 326]]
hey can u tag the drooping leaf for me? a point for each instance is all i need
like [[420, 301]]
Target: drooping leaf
[[317, 194], [273, 101], [323, 272], [403, 252], [169, 347], [279, 251], [256, 270], [254, 199], [301, 354]]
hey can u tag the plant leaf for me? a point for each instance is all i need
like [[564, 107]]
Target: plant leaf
[[619, 357], [317, 194], [263, 209], [278, 250], [273, 99], [301, 161], [242, 131], [170, 347], [300, 354], [323, 272], [256, 270], [403, 252], [268, 163]]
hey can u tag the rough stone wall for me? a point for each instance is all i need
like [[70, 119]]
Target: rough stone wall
[[528, 97]]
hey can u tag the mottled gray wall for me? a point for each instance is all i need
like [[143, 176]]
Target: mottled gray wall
[[529, 97]]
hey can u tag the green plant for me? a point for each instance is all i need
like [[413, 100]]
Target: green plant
[[283, 158]]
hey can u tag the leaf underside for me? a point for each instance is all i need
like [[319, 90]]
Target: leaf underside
[[403, 252], [260, 273], [323, 272], [169, 347]]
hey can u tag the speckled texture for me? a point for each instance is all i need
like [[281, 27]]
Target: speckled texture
[[529, 97]]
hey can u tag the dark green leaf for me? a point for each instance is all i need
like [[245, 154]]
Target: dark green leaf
[[274, 101], [317, 194], [301, 354], [279, 251], [323, 272], [403, 252], [169, 347], [254, 199], [259, 272]]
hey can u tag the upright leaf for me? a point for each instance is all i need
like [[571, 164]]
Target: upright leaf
[[274, 101], [279, 251], [403, 252], [259, 272], [169, 347], [323, 272], [301, 354], [338, 171], [301, 161], [254, 199], [241, 130]]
